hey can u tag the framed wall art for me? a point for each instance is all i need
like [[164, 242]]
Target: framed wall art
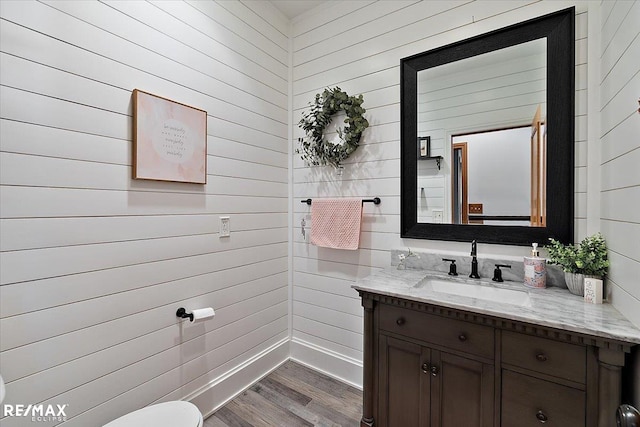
[[169, 140], [424, 147]]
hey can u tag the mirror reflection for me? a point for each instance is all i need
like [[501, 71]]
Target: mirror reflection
[[481, 139]]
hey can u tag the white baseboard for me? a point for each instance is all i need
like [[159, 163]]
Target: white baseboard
[[333, 364], [229, 385], [223, 389]]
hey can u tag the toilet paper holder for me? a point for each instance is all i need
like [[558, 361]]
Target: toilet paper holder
[[183, 314], [197, 314]]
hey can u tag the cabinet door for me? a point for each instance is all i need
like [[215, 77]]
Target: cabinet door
[[403, 387], [462, 391]]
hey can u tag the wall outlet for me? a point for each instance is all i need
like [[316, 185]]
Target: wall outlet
[[225, 227], [437, 216]]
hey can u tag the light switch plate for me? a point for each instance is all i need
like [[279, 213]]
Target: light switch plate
[[437, 216], [225, 226]]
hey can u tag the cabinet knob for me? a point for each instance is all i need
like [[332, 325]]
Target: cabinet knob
[[400, 321], [425, 368], [434, 371], [541, 357], [541, 417], [462, 337]]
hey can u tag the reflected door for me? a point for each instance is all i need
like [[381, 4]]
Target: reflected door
[[538, 172], [460, 202]]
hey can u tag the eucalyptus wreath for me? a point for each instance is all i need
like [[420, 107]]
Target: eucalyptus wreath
[[314, 148]]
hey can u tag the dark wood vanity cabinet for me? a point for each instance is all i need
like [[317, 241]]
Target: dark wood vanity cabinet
[[426, 365], [544, 382], [442, 375], [421, 386]]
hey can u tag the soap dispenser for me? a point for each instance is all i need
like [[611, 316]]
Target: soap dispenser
[[535, 269]]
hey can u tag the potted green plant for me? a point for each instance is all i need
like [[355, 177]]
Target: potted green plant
[[586, 259]]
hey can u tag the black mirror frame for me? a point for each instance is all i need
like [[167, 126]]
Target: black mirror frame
[[558, 28]]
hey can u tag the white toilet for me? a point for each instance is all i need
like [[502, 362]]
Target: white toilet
[[169, 414]]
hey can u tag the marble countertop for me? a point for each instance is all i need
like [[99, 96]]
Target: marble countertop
[[552, 307]]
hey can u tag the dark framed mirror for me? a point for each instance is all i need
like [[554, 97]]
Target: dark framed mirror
[[450, 94]]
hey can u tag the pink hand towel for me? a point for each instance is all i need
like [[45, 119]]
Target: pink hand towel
[[335, 223]]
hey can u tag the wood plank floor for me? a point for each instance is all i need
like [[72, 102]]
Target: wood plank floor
[[292, 395]]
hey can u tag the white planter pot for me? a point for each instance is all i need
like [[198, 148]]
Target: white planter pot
[[575, 283]]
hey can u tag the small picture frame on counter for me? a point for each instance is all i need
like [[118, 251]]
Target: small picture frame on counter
[[593, 290]]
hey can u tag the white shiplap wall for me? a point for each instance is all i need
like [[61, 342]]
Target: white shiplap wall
[[357, 45], [94, 264], [620, 151]]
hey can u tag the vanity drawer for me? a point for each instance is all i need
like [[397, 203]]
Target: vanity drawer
[[530, 402], [562, 360], [451, 333]]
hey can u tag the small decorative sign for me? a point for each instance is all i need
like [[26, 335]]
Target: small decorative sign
[[169, 140], [593, 290]]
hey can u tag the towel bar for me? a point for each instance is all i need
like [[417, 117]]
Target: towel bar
[[375, 201]]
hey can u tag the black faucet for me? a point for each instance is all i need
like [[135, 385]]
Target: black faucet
[[497, 273], [474, 261], [453, 271]]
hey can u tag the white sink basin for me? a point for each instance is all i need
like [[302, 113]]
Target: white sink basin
[[473, 290]]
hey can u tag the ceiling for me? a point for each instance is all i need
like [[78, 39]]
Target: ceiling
[[293, 8]]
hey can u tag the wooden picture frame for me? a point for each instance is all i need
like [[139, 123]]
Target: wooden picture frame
[[169, 140]]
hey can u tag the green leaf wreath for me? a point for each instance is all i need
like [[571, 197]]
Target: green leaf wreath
[[314, 148]]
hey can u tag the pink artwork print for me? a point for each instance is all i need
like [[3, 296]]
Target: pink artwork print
[[170, 140]]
